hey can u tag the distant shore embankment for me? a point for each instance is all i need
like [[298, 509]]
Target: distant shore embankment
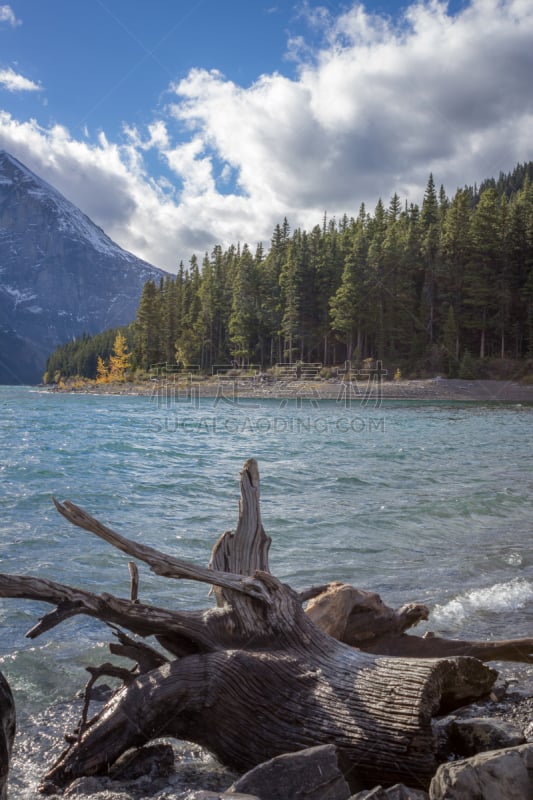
[[429, 389]]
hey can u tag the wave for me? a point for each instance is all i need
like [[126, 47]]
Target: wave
[[501, 597]]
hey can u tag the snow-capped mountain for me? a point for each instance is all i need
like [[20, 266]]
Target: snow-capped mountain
[[60, 274]]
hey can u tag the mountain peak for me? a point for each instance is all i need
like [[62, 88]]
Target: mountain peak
[[60, 274], [31, 189]]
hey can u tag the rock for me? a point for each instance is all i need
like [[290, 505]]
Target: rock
[[7, 733], [497, 775], [311, 774], [94, 787], [155, 761], [401, 792], [481, 734], [202, 795], [396, 792]]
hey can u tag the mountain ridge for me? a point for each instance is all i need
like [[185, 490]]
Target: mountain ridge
[[60, 274]]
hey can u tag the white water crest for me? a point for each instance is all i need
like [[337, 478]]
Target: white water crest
[[501, 598]]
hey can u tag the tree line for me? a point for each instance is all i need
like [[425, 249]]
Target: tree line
[[422, 288]]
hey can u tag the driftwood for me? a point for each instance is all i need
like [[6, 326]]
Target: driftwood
[[254, 677], [362, 619], [7, 732]]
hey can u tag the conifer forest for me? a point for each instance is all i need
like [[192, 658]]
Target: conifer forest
[[441, 287]]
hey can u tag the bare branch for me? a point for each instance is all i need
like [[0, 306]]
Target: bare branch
[[145, 620], [160, 563]]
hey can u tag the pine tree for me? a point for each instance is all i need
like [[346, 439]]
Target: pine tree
[[289, 280], [430, 221], [376, 283], [346, 305], [450, 343], [169, 319], [456, 254], [243, 319], [482, 270], [147, 327]]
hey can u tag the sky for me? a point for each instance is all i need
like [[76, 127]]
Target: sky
[[177, 125]]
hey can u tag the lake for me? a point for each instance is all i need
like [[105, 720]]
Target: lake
[[419, 502]]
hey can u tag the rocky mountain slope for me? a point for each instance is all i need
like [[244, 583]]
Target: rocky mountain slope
[[60, 275]]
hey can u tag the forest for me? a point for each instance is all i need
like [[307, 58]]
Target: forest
[[445, 287]]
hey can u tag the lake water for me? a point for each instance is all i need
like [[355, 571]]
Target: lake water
[[419, 502]]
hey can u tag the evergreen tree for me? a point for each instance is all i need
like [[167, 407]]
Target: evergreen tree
[[169, 319], [450, 344], [456, 249], [407, 285], [290, 302], [147, 330], [346, 305], [243, 319], [482, 270], [430, 221]]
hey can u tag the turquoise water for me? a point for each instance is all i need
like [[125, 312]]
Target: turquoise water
[[429, 503]]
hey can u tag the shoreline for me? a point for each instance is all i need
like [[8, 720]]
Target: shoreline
[[227, 388]]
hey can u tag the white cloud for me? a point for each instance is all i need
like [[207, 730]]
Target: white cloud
[[7, 15], [372, 111], [379, 108], [13, 82]]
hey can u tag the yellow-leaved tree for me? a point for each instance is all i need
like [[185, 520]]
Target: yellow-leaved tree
[[119, 360], [102, 372]]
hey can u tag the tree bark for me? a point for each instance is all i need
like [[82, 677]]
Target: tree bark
[[254, 677]]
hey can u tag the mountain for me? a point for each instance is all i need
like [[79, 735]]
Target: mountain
[[60, 274]]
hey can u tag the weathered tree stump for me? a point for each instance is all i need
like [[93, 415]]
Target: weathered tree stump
[[254, 677]]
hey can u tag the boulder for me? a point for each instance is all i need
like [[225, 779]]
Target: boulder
[[155, 761], [310, 774], [204, 795], [487, 776], [396, 792], [401, 792], [96, 789], [482, 734]]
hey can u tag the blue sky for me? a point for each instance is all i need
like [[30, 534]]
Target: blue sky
[[178, 125]]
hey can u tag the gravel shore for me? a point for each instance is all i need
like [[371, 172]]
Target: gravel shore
[[430, 389]]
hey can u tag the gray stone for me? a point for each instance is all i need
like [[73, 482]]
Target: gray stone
[[401, 792], [497, 775], [311, 774], [203, 795], [155, 761], [481, 734], [99, 788], [397, 792], [377, 793]]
